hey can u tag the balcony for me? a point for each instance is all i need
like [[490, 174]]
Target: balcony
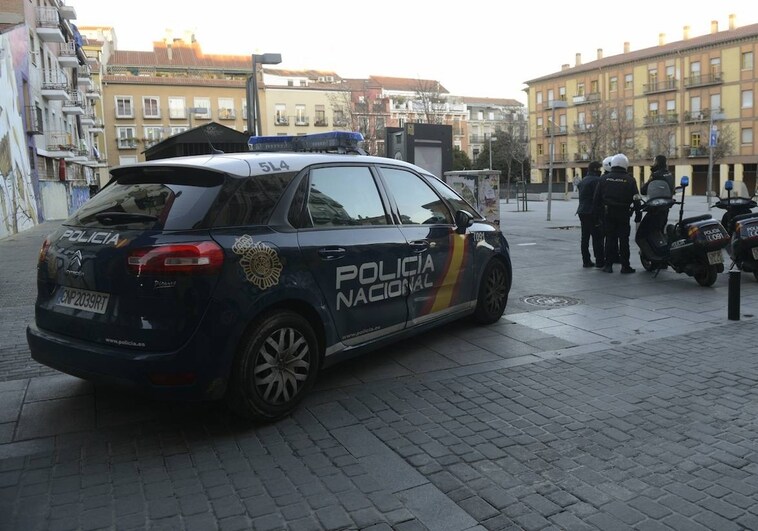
[[49, 25], [74, 104], [33, 120], [556, 130], [550, 104], [700, 116], [67, 55], [59, 143], [84, 76], [702, 80], [578, 157], [320, 122], [93, 93], [67, 12], [88, 118], [584, 99], [281, 120], [583, 128], [660, 86], [127, 143], [97, 127], [661, 119], [54, 85], [302, 121], [695, 152]]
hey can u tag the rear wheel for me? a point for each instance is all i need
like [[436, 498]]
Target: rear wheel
[[647, 264], [493, 293], [707, 276], [276, 365]]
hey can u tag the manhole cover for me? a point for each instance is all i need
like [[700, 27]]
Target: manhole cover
[[552, 301], [567, 227]]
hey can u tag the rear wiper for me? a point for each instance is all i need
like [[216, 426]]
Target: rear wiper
[[114, 218]]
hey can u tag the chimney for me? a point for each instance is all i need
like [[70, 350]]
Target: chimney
[[170, 50], [578, 59], [626, 47], [599, 53], [565, 66], [714, 26], [661, 39], [732, 21], [686, 32]]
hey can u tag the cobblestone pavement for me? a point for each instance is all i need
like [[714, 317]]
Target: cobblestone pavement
[[633, 408]]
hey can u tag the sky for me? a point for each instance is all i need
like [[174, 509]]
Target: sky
[[473, 48]]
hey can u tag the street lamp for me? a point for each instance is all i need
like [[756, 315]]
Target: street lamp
[[253, 102], [491, 139], [195, 110], [560, 104], [712, 140]]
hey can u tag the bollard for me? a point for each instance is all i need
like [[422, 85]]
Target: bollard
[[734, 294]]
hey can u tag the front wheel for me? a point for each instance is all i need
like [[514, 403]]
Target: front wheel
[[277, 363], [647, 264], [493, 293], [707, 276]]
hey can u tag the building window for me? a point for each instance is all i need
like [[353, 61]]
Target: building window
[[628, 81], [205, 105], [614, 84], [540, 149], [153, 135], [652, 76], [747, 99], [539, 97], [695, 140], [562, 93], [226, 109], [670, 73], [244, 109], [177, 110], [550, 95], [716, 65], [175, 130], [580, 89], [151, 107], [747, 136], [126, 137], [300, 118], [539, 121], [653, 108], [280, 114], [629, 113], [747, 61], [594, 87], [124, 108], [716, 102], [695, 105], [695, 71], [670, 107], [320, 118]]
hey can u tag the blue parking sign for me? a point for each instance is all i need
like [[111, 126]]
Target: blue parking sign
[[714, 136]]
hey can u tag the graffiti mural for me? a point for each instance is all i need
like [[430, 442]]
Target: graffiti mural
[[18, 203]]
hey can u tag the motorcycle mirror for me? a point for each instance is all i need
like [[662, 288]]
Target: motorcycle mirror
[[685, 181], [637, 197], [728, 186]]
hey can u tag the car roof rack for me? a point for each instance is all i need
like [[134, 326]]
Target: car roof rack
[[331, 142]]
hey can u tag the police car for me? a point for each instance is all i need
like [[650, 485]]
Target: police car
[[240, 276]]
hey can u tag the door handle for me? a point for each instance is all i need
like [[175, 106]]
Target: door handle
[[419, 246], [331, 253]]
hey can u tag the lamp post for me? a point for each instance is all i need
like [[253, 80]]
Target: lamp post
[[560, 104], [195, 110], [491, 139], [712, 140], [253, 103]]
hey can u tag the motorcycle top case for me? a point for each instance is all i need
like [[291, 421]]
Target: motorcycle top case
[[708, 234], [745, 233]]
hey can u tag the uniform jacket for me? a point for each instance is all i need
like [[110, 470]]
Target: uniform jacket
[[587, 187], [660, 174], [615, 193]]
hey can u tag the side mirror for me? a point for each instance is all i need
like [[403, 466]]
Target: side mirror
[[685, 181], [729, 186], [463, 220]]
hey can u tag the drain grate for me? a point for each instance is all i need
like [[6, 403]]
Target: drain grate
[[551, 301], [567, 227]]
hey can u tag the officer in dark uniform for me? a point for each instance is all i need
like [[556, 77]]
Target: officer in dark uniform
[[660, 172], [590, 223], [614, 198]]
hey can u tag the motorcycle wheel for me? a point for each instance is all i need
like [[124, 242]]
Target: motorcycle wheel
[[707, 276], [755, 274], [647, 265]]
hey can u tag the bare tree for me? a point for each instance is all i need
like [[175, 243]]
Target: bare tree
[[609, 131], [429, 100], [363, 110]]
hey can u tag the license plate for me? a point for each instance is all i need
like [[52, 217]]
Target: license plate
[[714, 257], [82, 299], [755, 253]]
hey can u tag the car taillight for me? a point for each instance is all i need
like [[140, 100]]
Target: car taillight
[[43, 249], [177, 259]]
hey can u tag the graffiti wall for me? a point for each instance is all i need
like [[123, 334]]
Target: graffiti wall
[[18, 202]]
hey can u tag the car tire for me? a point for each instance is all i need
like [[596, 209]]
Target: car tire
[[276, 365], [493, 293]]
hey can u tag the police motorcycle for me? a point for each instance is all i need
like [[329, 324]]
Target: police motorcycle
[[742, 224], [692, 245]]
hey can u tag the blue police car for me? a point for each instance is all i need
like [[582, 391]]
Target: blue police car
[[240, 276]]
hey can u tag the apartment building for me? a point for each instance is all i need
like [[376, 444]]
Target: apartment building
[[487, 116], [693, 100], [44, 133]]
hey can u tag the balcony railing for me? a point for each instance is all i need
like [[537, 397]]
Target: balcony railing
[[661, 119], [581, 156], [340, 122], [49, 25], [67, 55], [127, 143], [54, 80], [320, 122], [660, 86], [551, 103], [694, 152], [59, 141], [302, 121], [581, 128], [584, 99], [33, 116], [702, 80], [225, 113], [556, 130], [281, 120]]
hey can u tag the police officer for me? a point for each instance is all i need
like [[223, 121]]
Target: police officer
[[614, 197], [660, 172], [607, 164], [588, 219]]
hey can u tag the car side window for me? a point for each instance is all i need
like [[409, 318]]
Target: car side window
[[416, 201], [455, 200], [344, 196], [254, 200]]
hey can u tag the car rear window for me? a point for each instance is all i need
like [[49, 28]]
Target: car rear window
[[157, 198]]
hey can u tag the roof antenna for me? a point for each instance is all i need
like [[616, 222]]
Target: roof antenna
[[214, 151]]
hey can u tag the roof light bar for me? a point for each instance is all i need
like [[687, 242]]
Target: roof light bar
[[339, 141]]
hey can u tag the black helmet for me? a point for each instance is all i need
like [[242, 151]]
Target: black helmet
[[660, 162], [595, 166]]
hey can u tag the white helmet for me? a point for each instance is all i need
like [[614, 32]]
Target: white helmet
[[607, 163], [620, 160]]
